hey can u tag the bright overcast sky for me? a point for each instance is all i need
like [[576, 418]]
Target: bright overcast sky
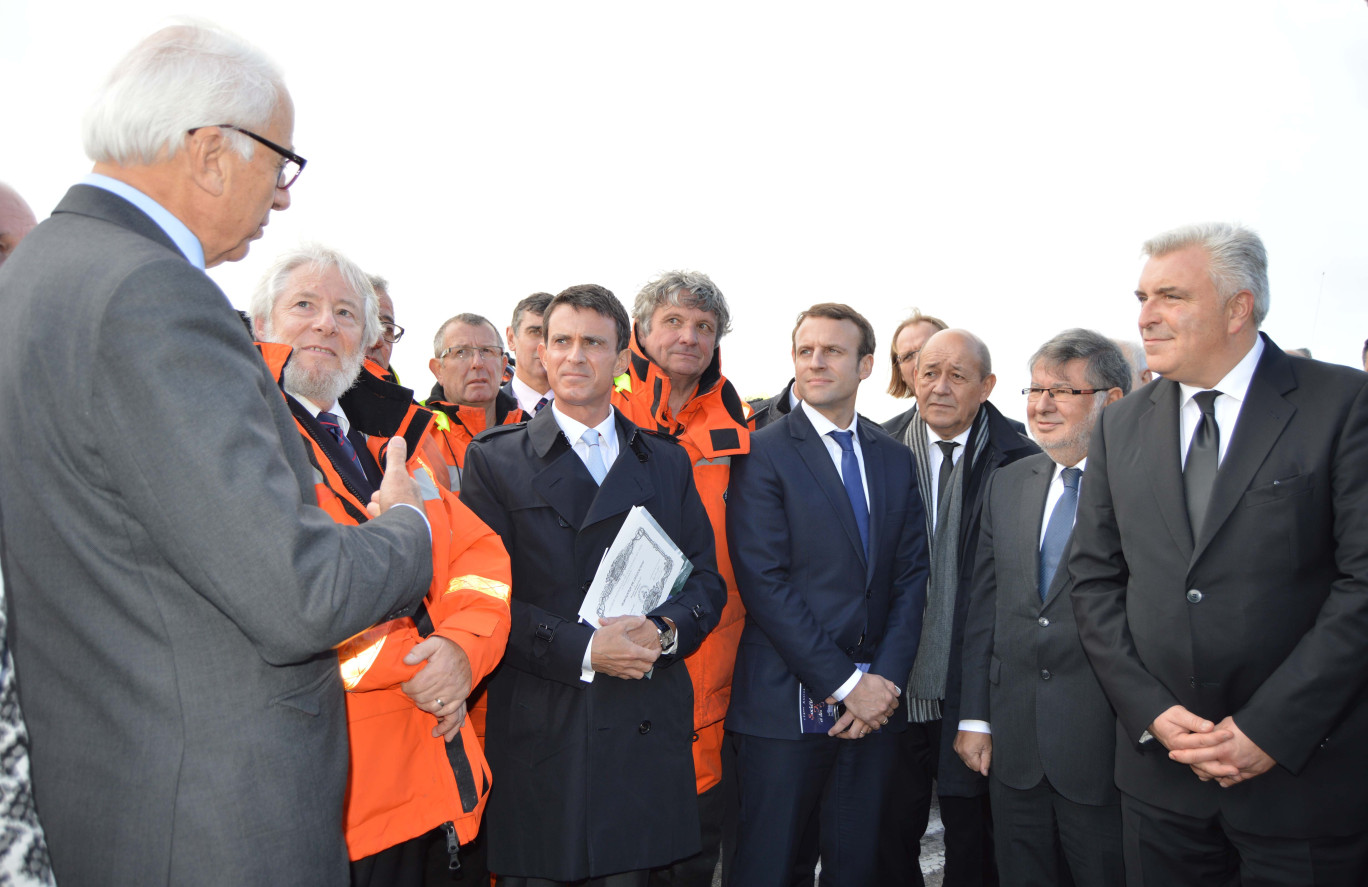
[[994, 163]]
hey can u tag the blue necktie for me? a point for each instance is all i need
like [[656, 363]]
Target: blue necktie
[[854, 486], [541, 403], [334, 426], [1058, 529], [595, 460]]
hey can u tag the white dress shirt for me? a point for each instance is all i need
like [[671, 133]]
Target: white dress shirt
[[1234, 387], [528, 397], [573, 430], [934, 459], [824, 427]]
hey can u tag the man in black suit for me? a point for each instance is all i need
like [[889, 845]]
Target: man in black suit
[[594, 766], [829, 548], [1033, 718], [958, 439], [1220, 569]]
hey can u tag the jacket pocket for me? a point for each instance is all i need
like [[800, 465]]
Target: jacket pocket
[[310, 698], [1278, 490]]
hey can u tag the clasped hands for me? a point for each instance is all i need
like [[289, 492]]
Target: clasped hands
[[625, 647], [868, 706], [1214, 751]]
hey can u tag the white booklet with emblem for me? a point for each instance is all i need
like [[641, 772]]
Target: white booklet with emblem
[[639, 571]]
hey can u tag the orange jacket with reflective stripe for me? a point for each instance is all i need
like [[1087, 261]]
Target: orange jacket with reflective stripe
[[403, 781], [712, 428], [453, 428]]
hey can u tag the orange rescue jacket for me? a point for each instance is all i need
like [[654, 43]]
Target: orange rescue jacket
[[403, 781], [712, 427]]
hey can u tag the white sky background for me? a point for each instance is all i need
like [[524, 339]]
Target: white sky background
[[994, 163]]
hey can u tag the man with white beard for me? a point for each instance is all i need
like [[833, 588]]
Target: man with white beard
[[406, 679]]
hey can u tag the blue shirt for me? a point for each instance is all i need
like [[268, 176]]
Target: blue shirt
[[184, 239]]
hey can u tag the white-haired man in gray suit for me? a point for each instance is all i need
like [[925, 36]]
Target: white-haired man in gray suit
[[175, 591]]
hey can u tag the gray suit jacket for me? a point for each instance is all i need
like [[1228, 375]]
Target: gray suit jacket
[[1025, 671], [175, 593]]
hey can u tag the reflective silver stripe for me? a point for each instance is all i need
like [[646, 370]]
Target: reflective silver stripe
[[426, 486], [720, 460], [318, 477], [454, 476]]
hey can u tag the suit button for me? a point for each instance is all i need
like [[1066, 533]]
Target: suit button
[[644, 728], [869, 593], [1194, 596], [1044, 623], [1045, 674]]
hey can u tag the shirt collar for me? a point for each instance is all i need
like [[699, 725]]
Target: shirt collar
[[336, 410], [821, 424], [184, 239], [527, 395], [1059, 469], [962, 438], [1235, 385], [574, 429]]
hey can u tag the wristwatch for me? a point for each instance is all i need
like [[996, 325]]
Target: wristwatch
[[668, 636]]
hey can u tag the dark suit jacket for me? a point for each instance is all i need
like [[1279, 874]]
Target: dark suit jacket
[[176, 594], [1025, 671], [578, 765], [815, 605], [1005, 446], [1263, 617], [769, 409]]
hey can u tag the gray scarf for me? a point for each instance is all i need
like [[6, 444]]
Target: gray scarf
[[926, 683]]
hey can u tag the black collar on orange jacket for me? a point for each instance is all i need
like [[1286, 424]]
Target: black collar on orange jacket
[[504, 403], [649, 381]]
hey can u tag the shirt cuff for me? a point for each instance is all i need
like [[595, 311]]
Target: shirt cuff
[[844, 690], [586, 664], [426, 522], [975, 727]]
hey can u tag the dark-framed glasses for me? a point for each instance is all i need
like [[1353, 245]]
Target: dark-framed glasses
[[289, 170], [1059, 394], [466, 353], [390, 331]]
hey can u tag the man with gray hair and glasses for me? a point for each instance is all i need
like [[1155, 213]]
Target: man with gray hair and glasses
[[1033, 718], [1220, 580], [176, 593]]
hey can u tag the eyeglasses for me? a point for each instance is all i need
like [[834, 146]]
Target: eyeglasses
[[289, 170], [1059, 394], [909, 357], [390, 331], [466, 353]]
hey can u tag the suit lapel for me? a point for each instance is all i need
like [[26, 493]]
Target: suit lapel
[[1034, 490], [563, 482], [1159, 441], [628, 482], [818, 460], [874, 477], [1263, 416]]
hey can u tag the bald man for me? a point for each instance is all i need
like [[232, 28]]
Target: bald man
[[16, 220]]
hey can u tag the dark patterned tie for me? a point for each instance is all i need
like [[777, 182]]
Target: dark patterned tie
[[947, 467], [334, 426], [541, 403], [1203, 458], [1058, 529], [854, 485]]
